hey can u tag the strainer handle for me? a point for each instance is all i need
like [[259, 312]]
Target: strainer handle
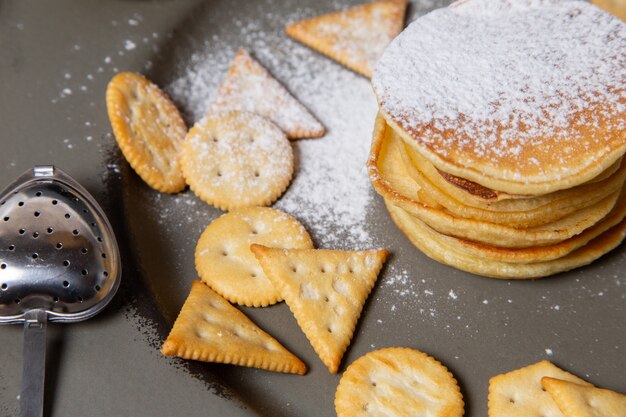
[[33, 369]]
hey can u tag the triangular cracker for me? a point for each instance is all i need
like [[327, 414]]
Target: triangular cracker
[[355, 37], [519, 393], [250, 87], [325, 290], [577, 400], [210, 329]]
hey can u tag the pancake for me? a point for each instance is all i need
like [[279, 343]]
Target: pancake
[[390, 179], [521, 213], [530, 104], [434, 246], [475, 195], [539, 253]]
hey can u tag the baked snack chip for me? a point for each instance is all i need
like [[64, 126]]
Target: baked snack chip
[[250, 87], [236, 159], [149, 130], [398, 382], [224, 260], [616, 7], [210, 329], [575, 400], [325, 291], [355, 37], [519, 393]]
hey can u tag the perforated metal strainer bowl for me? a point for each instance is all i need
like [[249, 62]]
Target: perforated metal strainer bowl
[[59, 261]]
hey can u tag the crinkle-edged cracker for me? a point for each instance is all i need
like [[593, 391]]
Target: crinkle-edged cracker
[[575, 400], [325, 291], [519, 393], [237, 159], [398, 382], [616, 7], [355, 37], [149, 130], [210, 329], [250, 87], [224, 260]]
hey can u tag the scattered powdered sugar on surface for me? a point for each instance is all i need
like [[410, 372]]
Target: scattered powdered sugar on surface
[[504, 75], [129, 45], [330, 192]]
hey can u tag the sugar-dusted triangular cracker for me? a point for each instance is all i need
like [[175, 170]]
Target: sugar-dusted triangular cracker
[[577, 400], [355, 37], [210, 329], [325, 290], [250, 87], [519, 393]]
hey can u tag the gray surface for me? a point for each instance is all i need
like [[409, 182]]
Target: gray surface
[[110, 365]]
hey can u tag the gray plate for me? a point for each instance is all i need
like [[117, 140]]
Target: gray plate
[[110, 365]]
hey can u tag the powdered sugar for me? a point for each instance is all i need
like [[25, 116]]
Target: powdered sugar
[[505, 75], [330, 192]]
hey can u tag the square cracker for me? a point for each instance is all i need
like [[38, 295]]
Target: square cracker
[[576, 400], [210, 329], [519, 393], [325, 290]]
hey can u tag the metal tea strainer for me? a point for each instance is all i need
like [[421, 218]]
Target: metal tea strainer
[[59, 261]]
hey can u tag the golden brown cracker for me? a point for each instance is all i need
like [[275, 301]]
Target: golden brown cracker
[[398, 382], [149, 130], [616, 7], [355, 37], [210, 329], [236, 159], [519, 393], [250, 87], [575, 400], [325, 290], [224, 260]]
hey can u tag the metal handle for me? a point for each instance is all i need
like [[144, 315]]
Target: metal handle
[[33, 369]]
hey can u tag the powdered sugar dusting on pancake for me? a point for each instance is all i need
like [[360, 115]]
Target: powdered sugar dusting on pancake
[[522, 81]]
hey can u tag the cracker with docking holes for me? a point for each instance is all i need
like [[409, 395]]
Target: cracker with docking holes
[[250, 87], [149, 130], [224, 260], [210, 329], [236, 159], [519, 393], [325, 291], [575, 400], [355, 37], [397, 382]]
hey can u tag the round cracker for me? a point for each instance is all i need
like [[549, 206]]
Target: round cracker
[[398, 382], [149, 130], [225, 262], [236, 159]]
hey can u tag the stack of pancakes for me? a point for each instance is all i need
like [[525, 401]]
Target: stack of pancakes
[[499, 141]]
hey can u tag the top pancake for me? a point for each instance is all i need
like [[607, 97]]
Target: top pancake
[[525, 97]]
